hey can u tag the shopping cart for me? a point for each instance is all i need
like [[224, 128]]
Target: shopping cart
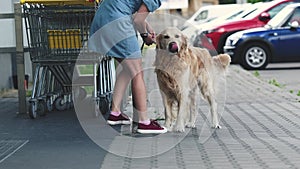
[[57, 33]]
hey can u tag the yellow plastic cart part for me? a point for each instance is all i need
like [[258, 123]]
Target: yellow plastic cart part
[[64, 39], [60, 2]]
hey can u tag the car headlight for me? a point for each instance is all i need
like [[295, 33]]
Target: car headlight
[[233, 39]]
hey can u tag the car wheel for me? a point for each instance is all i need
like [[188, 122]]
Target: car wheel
[[255, 56]]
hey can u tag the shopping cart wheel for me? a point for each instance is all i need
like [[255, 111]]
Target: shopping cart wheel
[[104, 105], [60, 103], [37, 108], [32, 110], [49, 105]]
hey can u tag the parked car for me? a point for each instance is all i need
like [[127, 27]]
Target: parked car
[[210, 12], [278, 41], [192, 29], [215, 37]]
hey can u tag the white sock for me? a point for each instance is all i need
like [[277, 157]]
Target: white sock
[[145, 122], [115, 113]]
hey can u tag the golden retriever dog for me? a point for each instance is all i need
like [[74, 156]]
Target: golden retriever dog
[[181, 70]]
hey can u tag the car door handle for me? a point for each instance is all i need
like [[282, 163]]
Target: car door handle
[[273, 34]]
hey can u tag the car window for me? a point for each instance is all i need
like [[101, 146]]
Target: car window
[[276, 9], [229, 16], [294, 17], [273, 11], [281, 18], [211, 19], [234, 15], [248, 13], [256, 11], [202, 15]]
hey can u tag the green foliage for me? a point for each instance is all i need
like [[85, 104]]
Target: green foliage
[[256, 73], [276, 83], [89, 89], [28, 93], [86, 69]]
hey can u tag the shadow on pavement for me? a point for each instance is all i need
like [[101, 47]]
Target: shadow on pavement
[[55, 141]]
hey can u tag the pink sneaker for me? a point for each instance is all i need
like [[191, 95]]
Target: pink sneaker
[[152, 128], [121, 119]]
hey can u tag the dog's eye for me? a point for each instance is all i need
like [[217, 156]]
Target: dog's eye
[[177, 36], [166, 36]]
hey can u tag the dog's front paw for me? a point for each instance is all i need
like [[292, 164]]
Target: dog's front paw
[[216, 126], [190, 125], [169, 126], [179, 129]]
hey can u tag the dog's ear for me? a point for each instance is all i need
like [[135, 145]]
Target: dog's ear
[[158, 41]]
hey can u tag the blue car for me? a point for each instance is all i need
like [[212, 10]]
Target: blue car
[[278, 41]]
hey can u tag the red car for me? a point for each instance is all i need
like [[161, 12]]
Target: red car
[[214, 39]]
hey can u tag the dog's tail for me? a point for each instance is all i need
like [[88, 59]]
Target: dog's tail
[[222, 60], [221, 63]]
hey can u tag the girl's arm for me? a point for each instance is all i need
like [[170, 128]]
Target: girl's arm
[[143, 26]]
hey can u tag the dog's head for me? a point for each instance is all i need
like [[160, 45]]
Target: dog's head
[[171, 40]]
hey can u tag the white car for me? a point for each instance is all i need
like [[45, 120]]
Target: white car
[[211, 12], [192, 30]]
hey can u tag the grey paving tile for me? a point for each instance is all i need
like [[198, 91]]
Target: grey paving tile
[[259, 131]]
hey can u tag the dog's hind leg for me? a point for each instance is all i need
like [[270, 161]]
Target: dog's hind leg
[[213, 110], [208, 94]]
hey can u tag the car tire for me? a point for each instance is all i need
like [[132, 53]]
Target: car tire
[[255, 56]]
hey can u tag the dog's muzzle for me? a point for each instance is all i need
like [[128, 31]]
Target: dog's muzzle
[[173, 47]]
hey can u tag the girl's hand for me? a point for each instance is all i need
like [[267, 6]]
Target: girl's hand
[[148, 38]]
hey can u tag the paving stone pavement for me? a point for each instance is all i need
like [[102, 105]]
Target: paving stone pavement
[[260, 129]]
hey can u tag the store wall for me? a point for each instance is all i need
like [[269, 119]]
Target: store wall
[[7, 44]]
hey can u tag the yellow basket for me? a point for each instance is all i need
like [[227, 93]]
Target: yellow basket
[[61, 2], [64, 39]]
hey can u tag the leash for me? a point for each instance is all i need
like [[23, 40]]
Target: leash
[[142, 47]]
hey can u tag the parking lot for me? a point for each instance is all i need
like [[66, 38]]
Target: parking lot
[[286, 74]]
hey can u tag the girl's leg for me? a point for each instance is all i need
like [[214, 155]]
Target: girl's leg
[[120, 87], [139, 95], [121, 84], [130, 70]]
